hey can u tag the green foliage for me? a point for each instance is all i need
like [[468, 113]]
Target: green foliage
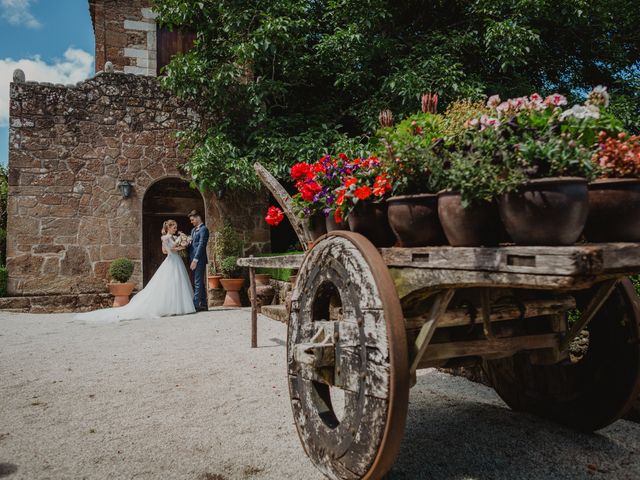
[[283, 80], [635, 279], [4, 278], [227, 243], [121, 270], [229, 267], [458, 113], [282, 274]]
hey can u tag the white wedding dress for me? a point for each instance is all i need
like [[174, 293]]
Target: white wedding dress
[[169, 292]]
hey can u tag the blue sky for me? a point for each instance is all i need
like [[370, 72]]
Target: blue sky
[[51, 40]]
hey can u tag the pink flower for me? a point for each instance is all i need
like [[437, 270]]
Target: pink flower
[[494, 101], [556, 100]]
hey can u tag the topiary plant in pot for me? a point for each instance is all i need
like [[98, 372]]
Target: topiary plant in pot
[[120, 271], [232, 281]]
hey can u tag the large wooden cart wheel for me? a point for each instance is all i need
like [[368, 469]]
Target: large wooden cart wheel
[[592, 392], [347, 359]]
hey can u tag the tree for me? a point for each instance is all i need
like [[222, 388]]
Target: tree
[[286, 80]]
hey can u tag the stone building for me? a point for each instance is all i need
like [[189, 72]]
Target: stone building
[[73, 148]]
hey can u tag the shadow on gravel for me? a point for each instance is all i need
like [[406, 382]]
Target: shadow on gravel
[[7, 469], [449, 438]]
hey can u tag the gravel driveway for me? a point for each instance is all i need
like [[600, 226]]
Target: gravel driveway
[[186, 398]]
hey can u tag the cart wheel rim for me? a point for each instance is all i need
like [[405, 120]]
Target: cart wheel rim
[[344, 288]]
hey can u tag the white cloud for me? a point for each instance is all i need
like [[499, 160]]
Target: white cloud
[[16, 12], [76, 65]]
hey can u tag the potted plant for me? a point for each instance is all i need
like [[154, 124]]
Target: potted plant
[[231, 282], [361, 199], [226, 243], [213, 279], [410, 164], [120, 271], [614, 199], [546, 203], [466, 206]]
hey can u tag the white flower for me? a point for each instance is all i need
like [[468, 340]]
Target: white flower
[[486, 121], [494, 101], [598, 96], [581, 112]]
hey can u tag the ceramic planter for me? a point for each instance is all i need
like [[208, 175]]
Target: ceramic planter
[[370, 219], [317, 225], [475, 226], [121, 293], [232, 287], [547, 211], [614, 210], [262, 278], [331, 224], [414, 220], [214, 281]]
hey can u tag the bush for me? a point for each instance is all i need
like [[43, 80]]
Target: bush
[[227, 243], [121, 270], [4, 276], [229, 267]]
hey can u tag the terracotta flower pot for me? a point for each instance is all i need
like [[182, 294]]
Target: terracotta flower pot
[[262, 278], [317, 225], [474, 226], [232, 287], [331, 224], [614, 210], [370, 219], [121, 293], [414, 220], [547, 211], [214, 281]]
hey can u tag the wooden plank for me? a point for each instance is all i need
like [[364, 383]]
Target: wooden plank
[[254, 308], [533, 308], [282, 261], [576, 260], [438, 307], [286, 203], [408, 280], [601, 295], [498, 346]]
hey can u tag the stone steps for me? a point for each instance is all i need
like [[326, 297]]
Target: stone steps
[[56, 303], [275, 312]]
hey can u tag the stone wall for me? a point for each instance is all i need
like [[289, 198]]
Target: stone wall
[[69, 147], [125, 33]]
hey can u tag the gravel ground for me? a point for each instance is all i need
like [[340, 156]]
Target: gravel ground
[[186, 398]]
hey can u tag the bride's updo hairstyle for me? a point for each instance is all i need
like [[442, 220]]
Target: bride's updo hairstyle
[[166, 225]]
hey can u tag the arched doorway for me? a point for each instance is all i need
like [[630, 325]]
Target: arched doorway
[[170, 198]]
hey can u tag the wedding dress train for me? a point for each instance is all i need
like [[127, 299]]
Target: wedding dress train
[[169, 292]]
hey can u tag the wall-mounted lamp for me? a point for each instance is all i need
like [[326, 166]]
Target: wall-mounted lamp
[[125, 188]]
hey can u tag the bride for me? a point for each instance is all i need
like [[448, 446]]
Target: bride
[[169, 291]]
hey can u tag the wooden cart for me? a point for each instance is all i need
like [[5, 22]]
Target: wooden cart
[[556, 329]]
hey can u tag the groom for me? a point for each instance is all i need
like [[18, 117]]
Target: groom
[[199, 260]]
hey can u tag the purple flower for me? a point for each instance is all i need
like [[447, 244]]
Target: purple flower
[[326, 212], [306, 211]]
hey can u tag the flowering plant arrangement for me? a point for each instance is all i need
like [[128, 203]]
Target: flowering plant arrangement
[[538, 137], [365, 179], [409, 151], [182, 241], [619, 156]]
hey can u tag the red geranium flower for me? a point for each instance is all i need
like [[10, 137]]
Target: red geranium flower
[[340, 199], [274, 216], [309, 190], [301, 171], [344, 157], [338, 216], [363, 192]]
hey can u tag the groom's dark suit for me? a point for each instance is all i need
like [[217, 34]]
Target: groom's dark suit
[[198, 251]]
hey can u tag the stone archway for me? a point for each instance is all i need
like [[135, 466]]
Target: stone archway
[[169, 198]]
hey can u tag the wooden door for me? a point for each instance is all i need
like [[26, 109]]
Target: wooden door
[[167, 199]]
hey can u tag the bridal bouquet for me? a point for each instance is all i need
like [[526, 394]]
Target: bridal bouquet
[[183, 241]]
